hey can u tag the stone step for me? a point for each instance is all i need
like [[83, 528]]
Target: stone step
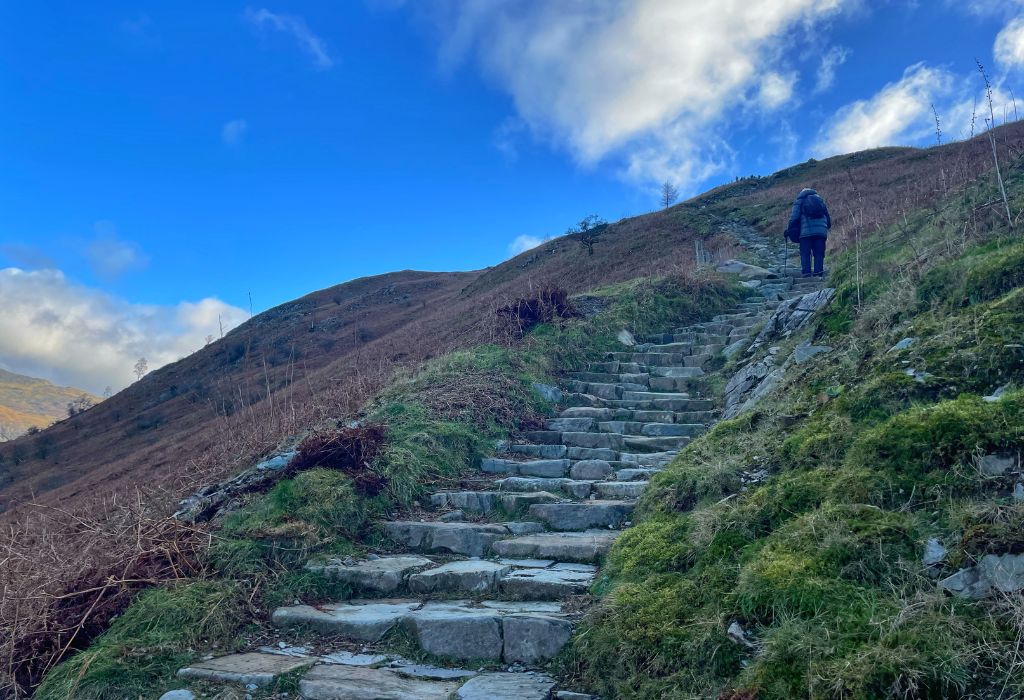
[[620, 489], [528, 632], [628, 415], [649, 459], [555, 582], [582, 516], [251, 668], [656, 444], [541, 452], [604, 378], [489, 501], [653, 396], [583, 547], [384, 575], [470, 576], [636, 473], [616, 367], [664, 404], [675, 373], [576, 488], [728, 318], [537, 467], [672, 429], [610, 441], [470, 539], [338, 682], [570, 424], [571, 453], [655, 359], [603, 390], [641, 429], [672, 347], [508, 686]]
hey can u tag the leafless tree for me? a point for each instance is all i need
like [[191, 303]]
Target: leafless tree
[[669, 194], [141, 367], [587, 231]]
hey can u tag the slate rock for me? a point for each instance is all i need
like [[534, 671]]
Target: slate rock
[[468, 576], [530, 639], [996, 465], [548, 392], [383, 575], [934, 552], [252, 668], [350, 683], [507, 686], [181, 694], [903, 344], [591, 469]]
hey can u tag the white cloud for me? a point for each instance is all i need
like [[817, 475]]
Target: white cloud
[[1009, 46], [76, 335], [989, 8], [295, 26], [233, 131], [835, 57], [110, 257], [651, 82], [523, 243], [776, 90], [899, 113]]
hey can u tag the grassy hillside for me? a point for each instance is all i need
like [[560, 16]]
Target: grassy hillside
[[804, 522], [27, 402]]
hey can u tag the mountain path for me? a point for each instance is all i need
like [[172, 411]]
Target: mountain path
[[489, 583]]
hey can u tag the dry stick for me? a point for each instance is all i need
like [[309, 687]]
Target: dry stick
[[992, 140]]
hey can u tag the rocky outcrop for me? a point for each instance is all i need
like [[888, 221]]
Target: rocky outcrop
[[792, 315], [211, 500], [993, 574]]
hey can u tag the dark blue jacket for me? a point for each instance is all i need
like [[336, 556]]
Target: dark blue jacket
[[809, 228]]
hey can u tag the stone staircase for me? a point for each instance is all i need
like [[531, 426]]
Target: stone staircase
[[488, 584]]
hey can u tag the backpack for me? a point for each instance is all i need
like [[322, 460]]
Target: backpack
[[813, 207]]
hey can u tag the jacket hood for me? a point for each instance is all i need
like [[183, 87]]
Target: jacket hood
[[807, 191]]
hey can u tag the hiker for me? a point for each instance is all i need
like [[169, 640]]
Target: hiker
[[809, 225]]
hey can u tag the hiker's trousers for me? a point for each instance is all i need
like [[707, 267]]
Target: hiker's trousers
[[812, 247]]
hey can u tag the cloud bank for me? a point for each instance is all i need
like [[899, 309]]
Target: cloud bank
[[650, 82], [75, 335]]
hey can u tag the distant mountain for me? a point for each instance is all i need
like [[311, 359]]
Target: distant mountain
[[27, 402]]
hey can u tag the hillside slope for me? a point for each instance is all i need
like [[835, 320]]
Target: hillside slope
[[27, 402], [918, 248], [220, 408]]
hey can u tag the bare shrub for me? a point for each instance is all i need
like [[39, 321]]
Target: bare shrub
[[65, 576], [549, 303], [350, 450]]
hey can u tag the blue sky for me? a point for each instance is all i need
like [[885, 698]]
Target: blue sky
[[162, 161]]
